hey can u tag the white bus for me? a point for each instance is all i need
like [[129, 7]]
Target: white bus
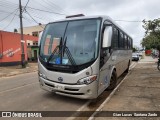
[[82, 56]]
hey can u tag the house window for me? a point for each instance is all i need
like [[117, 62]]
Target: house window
[[35, 34], [28, 44]]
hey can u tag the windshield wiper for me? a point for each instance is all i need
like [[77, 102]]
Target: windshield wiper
[[55, 50], [65, 49], [62, 49]]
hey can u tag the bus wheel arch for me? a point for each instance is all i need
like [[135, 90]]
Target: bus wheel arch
[[113, 80]]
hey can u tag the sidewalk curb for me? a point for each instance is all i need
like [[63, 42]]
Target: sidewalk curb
[[109, 97], [9, 75]]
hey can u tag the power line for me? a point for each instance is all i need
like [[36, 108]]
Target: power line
[[4, 12], [54, 5], [23, 17], [8, 15], [127, 21], [25, 6], [46, 11], [7, 4], [43, 17], [27, 19], [38, 9], [41, 4], [46, 6], [10, 21], [33, 19]]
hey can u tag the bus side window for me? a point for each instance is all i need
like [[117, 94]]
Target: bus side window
[[129, 43], [126, 42], [121, 40], [115, 41]]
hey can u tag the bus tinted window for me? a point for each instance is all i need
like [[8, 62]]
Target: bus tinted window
[[121, 40], [115, 38], [126, 42], [129, 43]]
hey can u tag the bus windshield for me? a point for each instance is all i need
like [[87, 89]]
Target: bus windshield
[[80, 38]]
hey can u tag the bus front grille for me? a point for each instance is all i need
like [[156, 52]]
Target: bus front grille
[[49, 85], [66, 89], [70, 93], [71, 89]]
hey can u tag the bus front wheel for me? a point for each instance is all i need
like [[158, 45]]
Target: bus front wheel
[[113, 81]]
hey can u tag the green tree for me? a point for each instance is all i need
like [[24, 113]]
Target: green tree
[[134, 49], [152, 34]]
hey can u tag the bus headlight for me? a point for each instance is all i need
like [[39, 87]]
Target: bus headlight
[[87, 80], [42, 75]]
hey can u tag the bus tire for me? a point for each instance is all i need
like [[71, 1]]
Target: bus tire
[[113, 81], [127, 70]]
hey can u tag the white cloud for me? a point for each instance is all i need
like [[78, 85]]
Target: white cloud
[[128, 10]]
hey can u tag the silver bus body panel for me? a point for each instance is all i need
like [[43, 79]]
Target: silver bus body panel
[[118, 61], [68, 78], [89, 91], [76, 91]]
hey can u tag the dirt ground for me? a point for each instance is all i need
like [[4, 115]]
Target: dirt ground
[[15, 70]]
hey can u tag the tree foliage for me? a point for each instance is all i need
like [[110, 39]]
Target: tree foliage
[[152, 34], [134, 49]]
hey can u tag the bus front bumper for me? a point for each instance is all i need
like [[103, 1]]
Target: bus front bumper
[[77, 91]]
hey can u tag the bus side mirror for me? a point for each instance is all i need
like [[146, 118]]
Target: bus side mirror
[[107, 37], [39, 38]]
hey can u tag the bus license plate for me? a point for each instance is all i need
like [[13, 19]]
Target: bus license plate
[[59, 87]]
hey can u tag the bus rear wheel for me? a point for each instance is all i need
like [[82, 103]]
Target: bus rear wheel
[[113, 81]]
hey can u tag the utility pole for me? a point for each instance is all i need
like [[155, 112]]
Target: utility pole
[[23, 62]]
